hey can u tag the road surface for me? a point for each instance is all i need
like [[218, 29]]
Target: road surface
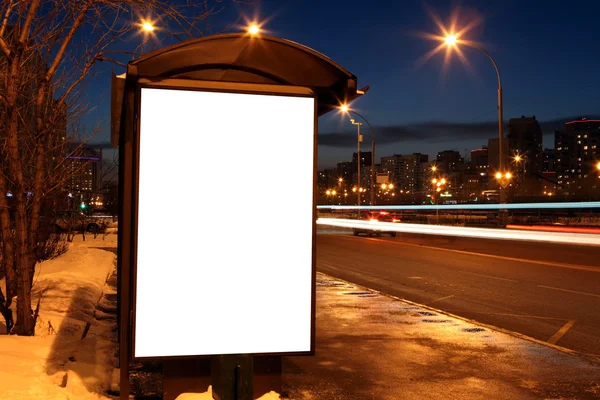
[[546, 291]]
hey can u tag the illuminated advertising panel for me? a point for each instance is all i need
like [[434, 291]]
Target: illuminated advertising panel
[[224, 223]]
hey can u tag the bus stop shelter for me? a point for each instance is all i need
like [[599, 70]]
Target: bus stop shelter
[[231, 61]]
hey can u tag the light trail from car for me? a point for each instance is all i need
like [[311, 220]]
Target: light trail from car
[[484, 233]]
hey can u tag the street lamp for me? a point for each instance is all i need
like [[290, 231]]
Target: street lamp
[[437, 185], [451, 41], [253, 29], [347, 110], [148, 26], [359, 139]]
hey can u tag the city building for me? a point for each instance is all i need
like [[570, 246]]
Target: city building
[[407, 172], [449, 161], [476, 176], [365, 168], [84, 171], [549, 160], [525, 154], [451, 165], [577, 156], [326, 179], [525, 141], [494, 155], [480, 160], [345, 171]]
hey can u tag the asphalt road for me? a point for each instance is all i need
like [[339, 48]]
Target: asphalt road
[[546, 291]]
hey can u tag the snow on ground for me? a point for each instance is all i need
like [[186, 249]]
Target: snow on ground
[[56, 363], [208, 396]]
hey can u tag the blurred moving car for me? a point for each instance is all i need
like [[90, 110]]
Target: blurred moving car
[[375, 217]]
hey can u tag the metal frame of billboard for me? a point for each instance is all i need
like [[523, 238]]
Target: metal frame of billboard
[[129, 244]]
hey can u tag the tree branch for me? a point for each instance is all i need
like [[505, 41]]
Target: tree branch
[[30, 14], [67, 40], [5, 19], [5, 49]]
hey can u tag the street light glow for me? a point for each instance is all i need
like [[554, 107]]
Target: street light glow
[[147, 26], [433, 168], [508, 175], [253, 29], [498, 175], [451, 40], [344, 108], [518, 158], [443, 181]]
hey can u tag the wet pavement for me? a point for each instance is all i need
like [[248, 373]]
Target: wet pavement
[[373, 346]]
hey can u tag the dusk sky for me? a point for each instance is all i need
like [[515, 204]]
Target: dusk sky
[[547, 53]]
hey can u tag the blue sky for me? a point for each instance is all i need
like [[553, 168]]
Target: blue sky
[[547, 53]]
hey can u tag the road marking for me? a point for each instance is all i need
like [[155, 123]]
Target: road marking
[[489, 276], [561, 332], [569, 291], [471, 253], [507, 315], [441, 298]]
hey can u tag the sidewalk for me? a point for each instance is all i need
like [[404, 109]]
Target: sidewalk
[[371, 346], [72, 355]]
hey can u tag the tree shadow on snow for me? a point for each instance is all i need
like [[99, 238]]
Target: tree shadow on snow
[[78, 362]]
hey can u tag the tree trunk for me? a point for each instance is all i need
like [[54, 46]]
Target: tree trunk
[[25, 325], [23, 257]]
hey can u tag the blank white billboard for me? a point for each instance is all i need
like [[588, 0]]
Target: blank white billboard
[[225, 217]]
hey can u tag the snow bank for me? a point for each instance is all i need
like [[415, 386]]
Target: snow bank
[[208, 396], [56, 363]]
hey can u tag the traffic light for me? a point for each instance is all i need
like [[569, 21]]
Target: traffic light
[[83, 206]]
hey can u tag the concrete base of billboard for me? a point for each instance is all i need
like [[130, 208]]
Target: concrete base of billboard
[[194, 376]]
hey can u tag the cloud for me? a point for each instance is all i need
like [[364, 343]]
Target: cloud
[[433, 131]]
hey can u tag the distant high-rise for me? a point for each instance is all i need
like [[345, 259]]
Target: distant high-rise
[[476, 177], [494, 155], [365, 167], [84, 171], [407, 172], [449, 161], [577, 155], [345, 171], [549, 160], [525, 140], [326, 177], [479, 160], [451, 164]]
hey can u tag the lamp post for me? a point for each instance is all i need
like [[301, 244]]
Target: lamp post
[[344, 108], [452, 40], [359, 139], [437, 188]]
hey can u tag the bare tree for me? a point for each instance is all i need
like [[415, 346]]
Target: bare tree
[[49, 51]]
